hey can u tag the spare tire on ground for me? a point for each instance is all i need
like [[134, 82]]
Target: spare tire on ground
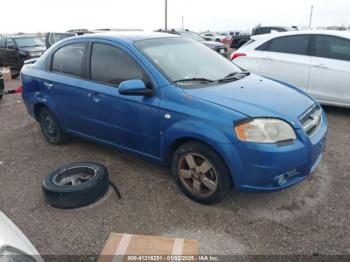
[[76, 185]]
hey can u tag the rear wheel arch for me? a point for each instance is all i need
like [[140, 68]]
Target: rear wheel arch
[[37, 108]]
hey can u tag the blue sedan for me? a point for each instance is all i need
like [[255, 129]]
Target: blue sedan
[[175, 101]]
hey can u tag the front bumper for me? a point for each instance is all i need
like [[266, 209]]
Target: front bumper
[[272, 167]]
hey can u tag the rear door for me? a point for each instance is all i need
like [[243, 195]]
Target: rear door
[[286, 59], [330, 69], [70, 92], [128, 121]]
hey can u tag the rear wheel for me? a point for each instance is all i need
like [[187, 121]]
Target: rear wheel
[[51, 128], [200, 173]]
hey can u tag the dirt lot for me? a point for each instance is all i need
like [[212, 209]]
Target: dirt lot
[[312, 217]]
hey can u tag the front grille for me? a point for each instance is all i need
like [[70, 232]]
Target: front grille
[[311, 120]]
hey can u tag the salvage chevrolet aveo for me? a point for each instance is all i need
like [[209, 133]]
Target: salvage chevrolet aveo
[[173, 100]]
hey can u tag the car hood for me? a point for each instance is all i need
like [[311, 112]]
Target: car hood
[[33, 49], [213, 43], [11, 236], [257, 96]]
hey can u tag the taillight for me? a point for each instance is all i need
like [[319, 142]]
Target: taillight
[[19, 89], [235, 55]]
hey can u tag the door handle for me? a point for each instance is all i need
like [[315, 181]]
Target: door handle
[[48, 85], [321, 66]]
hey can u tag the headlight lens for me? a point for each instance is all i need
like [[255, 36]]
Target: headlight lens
[[265, 130], [10, 254]]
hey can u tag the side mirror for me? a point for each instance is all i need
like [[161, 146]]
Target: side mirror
[[134, 87]]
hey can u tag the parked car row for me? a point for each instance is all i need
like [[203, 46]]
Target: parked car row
[[215, 45], [240, 39], [15, 49], [316, 61]]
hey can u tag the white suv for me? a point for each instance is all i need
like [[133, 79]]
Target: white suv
[[316, 61]]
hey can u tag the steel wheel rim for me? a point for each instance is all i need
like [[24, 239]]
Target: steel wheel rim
[[74, 176], [198, 174]]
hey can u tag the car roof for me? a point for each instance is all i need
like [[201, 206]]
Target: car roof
[[345, 34], [131, 36]]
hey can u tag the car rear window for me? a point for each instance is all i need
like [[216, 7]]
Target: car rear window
[[298, 44], [68, 60], [332, 47]]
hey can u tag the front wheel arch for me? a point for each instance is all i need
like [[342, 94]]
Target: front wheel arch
[[185, 140]]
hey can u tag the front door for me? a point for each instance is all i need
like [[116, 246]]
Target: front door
[[10, 54], [131, 122]]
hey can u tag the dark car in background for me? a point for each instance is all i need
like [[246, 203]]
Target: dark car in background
[[2, 86], [216, 46], [242, 38], [15, 49]]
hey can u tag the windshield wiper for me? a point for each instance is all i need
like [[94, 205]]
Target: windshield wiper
[[194, 79], [234, 76]]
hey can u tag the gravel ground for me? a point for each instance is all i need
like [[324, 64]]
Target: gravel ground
[[312, 217]]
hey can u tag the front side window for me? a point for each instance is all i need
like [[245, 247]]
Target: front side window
[[298, 45], [112, 65], [332, 47], [182, 58], [68, 60]]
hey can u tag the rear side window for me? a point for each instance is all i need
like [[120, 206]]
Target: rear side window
[[68, 60], [298, 45], [332, 47], [112, 65]]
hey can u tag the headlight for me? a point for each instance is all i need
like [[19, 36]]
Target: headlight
[[10, 254], [265, 130]]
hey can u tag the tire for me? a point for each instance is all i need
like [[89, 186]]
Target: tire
[[213, 172], [1, 96], [75, 185], [51, 128]]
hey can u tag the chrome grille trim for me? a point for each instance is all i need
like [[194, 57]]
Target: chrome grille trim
[[311, 120]]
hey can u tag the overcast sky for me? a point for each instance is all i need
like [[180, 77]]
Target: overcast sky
[[218, 15]]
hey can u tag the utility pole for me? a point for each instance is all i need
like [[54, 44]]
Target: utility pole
[[182, 23], [166, 15], [311, 11]]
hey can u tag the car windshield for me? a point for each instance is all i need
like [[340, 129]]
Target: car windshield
[[29, 41], [192, 36], [182, 59]]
